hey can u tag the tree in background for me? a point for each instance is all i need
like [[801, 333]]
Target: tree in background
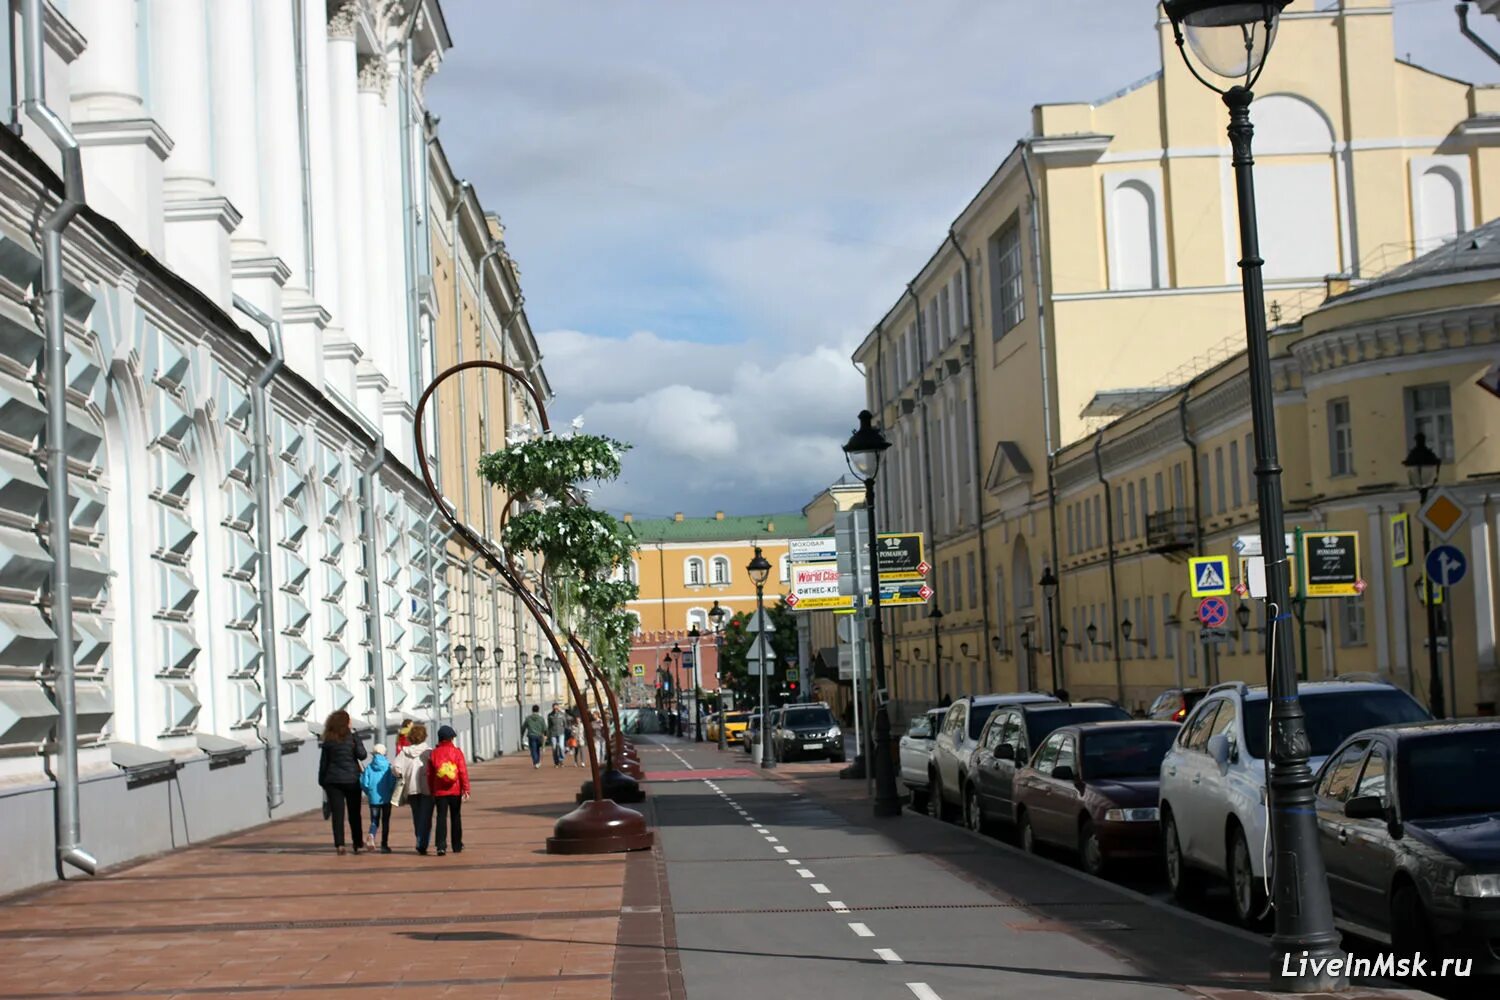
[[734, 664]]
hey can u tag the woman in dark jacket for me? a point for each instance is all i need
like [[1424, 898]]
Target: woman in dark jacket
[[338, 773]]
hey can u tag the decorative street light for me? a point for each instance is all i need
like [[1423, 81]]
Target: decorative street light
[[1126, 627], [1093, 636], [716, 616], [695, 635], [1422, 468], [935, 615], [1242, 615], [862, 452], [759, 569], [1049, 591], [1232, 38]]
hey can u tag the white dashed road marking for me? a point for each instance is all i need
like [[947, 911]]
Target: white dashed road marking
[[889, 955], [923, 992], [837, 906], [781, 850], [821, 889], [804, 873], [860, 930]]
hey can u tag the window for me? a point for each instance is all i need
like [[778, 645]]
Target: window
[[1340, 438], [1151, 626], [1130, 509], [973, 574], [1098, 520], [697, 618], [1072, 529], [945, 313], [1372, 780], [1234, 473], [1352, 621], [1065, 756], [1342, 773], [1119, 518], [1161, 498], [1132, 206], [1195, 733], [1219, 476], [1429, 412], [1224, 721], [1179, 491], [786, 568], [721, 569], [692, 571], [1046, 757], [1205, 491], [1145, 504], [1008, 280], [1250, 461]]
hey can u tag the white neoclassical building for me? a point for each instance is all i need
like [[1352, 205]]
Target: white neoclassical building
[[249, 312]]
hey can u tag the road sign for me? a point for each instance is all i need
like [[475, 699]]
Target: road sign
[[1443, 513], [759, 650], [1446, 565], [1400, 540], [813, 550], [899, 557], [793, 675], [1213, 611], [1209, 576], [1213, 636], [638, 669], [904, 592], [759, 622], [1330, 564], [815, 587], [1422, 590], [1249, 545]]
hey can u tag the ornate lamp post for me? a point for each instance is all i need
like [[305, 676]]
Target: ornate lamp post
[[1231, 38], [1422, 468], [862, 452], [1049, 591], [695, 635], [760, 568], [716, 616]]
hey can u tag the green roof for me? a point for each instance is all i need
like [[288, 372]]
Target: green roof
[[713, 529]]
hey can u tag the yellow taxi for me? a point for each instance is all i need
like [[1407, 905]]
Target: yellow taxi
[[734, 727]]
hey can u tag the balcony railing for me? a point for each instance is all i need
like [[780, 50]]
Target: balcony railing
[[1170, 530]]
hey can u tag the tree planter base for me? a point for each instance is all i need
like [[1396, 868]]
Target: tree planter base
[[600, 828], [618, 787], [632, 768]]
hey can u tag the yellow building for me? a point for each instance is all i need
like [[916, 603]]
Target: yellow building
[[1097, 269]]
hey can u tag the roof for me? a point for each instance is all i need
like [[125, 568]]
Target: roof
[[715, 529], [1017, 698], [1476, 250], [1436, 727]]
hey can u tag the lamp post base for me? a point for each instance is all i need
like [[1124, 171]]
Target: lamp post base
[[855, 770], [600, 828]]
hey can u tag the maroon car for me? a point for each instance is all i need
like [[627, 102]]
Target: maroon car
[[1092, 788]]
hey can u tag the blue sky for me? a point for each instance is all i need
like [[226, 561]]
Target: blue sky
[[713, 201]]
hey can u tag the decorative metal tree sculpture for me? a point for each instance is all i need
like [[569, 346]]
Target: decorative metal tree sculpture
[[578, 547]]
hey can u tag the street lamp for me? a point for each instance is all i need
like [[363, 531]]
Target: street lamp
[[935, 615], [862, 453], [1049, 591], [1232, 38], [1093, 636], [694, 634], [1422, 468], [1242, 615], [716, 616], [1126, 627], [759, 569]]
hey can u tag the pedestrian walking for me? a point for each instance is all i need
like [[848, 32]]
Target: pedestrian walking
[[575, 740], [448, 777], [416, 790], [338, 773], [557, 732], [535, 728], [379, 781]]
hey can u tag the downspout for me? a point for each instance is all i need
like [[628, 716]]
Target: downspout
[[984, 560], [64, 675], [1192, 443], [304, 139], [1114, 594], [474, 673], [409, 205], [1463, 28], [372, 582], [431, 593], [937, 658], [260, 415], [1041, 341]]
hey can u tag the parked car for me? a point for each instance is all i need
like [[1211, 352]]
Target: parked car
[[916, 751], [1213, 780], [1005, 746], [1092, 789], [751, 735], [734, 724], [807, 731], [1409, 826], [1174, 704], [949, 765]]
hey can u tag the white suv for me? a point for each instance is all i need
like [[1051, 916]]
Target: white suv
[[1213, 779]]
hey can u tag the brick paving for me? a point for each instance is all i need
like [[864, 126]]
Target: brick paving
[[273, 912]]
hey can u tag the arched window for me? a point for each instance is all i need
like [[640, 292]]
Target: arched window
[[1135, 224], [693, 572], [786, 569], [721, 569], [633, 572], [1440, 199], [1297, 191], [697, 618]]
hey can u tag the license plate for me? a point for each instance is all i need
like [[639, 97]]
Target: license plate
[[812, 746]]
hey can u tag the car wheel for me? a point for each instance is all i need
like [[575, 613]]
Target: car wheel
[[1245, 890], [1028, 836], [936, 807], [973, 811], [1185, 883], [1090, 853], [1410, 930]]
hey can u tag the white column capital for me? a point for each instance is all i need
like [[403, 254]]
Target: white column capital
[[343, 16]]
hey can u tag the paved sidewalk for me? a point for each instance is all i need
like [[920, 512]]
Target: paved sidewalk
[[275, 913]]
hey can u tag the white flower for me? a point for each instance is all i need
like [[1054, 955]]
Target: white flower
[[577, 423]]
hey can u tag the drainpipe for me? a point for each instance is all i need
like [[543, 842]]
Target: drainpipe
[[409, 206], [299, 56], [937, 659], [65, 692], [1463, 28], [1041, 341], [1210, 653], [427, 547], [984, 559], [1114, 594], [474, 673], [372, 580], [260, 415]]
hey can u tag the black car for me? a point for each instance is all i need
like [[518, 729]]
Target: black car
[[1409, 825], [801, 731], [1010, 736]]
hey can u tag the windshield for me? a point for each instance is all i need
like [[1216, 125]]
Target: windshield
[[920, 727], [1126, 753], [1449, 774], [1334, 716], [1041, 724], [734, 717], [807, 718], [977, 716]]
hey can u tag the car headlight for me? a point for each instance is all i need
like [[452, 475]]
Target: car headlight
[[835, 733], [1477, 886], [1145, 814]]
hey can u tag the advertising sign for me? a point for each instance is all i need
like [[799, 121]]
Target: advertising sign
[[900, 557], [904, 592], [813, 550], [1330, 564], [1400, 540], [815, 587]]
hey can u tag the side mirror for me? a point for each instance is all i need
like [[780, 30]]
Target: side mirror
[[1005, 752], [1221, 749], [1364, 807], [1063, 773]]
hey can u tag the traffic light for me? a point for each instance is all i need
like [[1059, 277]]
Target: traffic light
[[792, 688]]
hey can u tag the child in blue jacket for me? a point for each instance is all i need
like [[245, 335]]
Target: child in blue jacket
[[379, 782]]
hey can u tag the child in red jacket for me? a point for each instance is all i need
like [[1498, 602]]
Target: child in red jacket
[[448, 774]]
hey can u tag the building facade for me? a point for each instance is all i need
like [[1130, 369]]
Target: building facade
[[1097, 270], [253, 266]]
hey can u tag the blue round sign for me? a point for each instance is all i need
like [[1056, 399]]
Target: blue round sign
[[1213, 611], [1446, 565]]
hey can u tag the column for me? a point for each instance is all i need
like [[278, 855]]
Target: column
[[1377, 622], [372, 159], [1482, 573], [349, 338], [199, 219], [326, 278], [236, 149]]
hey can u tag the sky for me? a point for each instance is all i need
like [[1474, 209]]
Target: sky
[[712, 202]]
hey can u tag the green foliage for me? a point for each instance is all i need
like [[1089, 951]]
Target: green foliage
[[734, 665], [576, 542], [551, 465]]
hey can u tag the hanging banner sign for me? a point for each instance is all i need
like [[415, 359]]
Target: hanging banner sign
[[899, 557], [1400, 540], [815, 587], [1330, 564]]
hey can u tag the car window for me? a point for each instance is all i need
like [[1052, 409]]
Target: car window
[[1161, 702], [1065, 755], [1372, 778], [1448, 773], [1125, 753], [1046, 757], [1224, 721], [920, 727], [1334, 716], [1195, 733], [955, 722], [807, 716], [978, 714], [1339, 778], [1039, 725], [1013, 734]]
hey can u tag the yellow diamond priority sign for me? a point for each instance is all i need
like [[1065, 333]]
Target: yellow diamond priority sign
[[1443, 513]]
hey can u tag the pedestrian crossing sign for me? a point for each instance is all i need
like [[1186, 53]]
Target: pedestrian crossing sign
[[1209, 576]]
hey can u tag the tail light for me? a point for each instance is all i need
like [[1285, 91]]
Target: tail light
[[1180, 714]]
